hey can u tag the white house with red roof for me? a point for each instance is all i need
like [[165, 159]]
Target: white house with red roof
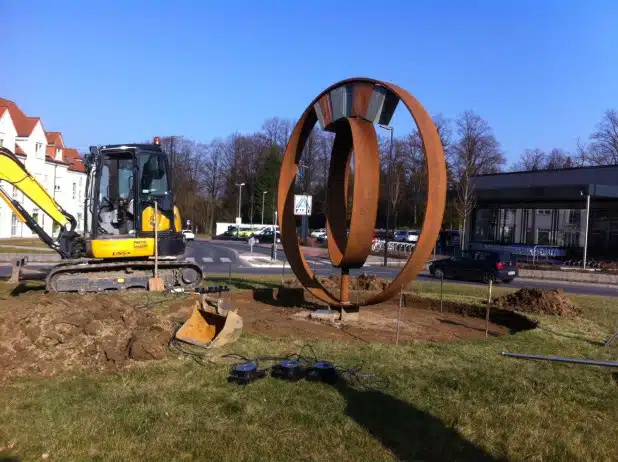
[[59, 168]]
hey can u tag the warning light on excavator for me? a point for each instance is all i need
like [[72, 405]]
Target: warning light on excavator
[[156, 140]]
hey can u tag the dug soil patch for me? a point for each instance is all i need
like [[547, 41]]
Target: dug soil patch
[[420, 320], [43, 334], [539, 301], [46, 333]]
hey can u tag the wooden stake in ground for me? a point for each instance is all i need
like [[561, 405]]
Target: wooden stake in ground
[[282, 272], [441, 291], [155, 284], [399, 316], [487, 312], [230, 283]]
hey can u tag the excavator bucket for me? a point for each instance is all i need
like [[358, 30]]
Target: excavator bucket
[[210, 327]]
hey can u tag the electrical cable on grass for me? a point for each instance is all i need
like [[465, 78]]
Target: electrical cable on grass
[[352, 375]]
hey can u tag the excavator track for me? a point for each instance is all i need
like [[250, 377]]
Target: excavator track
[[92, 275]]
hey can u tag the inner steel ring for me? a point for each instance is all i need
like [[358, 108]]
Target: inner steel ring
[[358, 136]]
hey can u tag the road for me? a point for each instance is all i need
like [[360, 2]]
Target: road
[[230, 250], [224, 256]]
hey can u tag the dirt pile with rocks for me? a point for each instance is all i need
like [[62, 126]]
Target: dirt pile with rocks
[[55, 332], [551, 302]]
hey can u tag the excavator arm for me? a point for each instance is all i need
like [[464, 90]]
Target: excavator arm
[[14, 172]]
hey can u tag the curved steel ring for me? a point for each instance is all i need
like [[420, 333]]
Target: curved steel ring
[[361, 92]]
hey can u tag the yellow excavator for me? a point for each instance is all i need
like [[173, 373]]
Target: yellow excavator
[[124, 186], [127, 189]]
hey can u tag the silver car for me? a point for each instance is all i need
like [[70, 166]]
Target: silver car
[[407, 235]]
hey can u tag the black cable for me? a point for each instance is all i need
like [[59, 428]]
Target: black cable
[[352, 375]]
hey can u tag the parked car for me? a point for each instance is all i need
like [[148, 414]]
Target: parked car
[[266, 236], [267, 229], [380, 235], [318, 232], [477, 265], [189, 235], [407, 235]]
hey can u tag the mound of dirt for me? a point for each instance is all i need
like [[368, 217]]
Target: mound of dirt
[[541, 301], [58, 332], [365, 282]]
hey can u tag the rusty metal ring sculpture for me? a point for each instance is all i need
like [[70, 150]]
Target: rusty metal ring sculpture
[[350, 109]]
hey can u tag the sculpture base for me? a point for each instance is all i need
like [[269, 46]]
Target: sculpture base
[[349, 312]]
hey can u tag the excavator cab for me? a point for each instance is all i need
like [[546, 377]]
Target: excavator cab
[[124, 182]]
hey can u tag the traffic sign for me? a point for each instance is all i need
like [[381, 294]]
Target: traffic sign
[[302, 204]]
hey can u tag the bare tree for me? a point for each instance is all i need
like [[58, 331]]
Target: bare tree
[[476, 152], [530, 160], [558, 158], [278, 132], [603, 147]]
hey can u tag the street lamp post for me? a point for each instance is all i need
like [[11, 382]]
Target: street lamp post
[[240, 185], [263, 196], [388, 193]]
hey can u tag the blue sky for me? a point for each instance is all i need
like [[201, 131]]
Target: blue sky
[[541, 73]]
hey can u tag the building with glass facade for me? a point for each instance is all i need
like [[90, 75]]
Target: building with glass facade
[[545, 212]]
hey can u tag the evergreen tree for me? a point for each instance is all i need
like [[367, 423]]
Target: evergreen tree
[[268, 180]]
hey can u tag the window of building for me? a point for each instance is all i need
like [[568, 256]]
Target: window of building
[[1, 143], [14, 225], [74, 190], [80, 217], [15, 192], [39, 151], [543, 236]]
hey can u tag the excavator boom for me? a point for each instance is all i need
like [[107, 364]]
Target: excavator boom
[[14, 172]]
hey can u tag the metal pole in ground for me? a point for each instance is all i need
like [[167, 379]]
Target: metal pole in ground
[[487, 312], [230, 282], [590, 362], [399, 315], [441, 291]]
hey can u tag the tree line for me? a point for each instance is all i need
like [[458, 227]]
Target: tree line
[[206, 177]]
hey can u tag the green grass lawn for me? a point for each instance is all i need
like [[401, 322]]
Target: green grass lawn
[[446, 401]]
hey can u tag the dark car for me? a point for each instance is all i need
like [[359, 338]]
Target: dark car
[[477, 265], [267, 236]]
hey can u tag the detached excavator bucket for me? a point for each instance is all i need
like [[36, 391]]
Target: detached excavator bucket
[[210, 327]]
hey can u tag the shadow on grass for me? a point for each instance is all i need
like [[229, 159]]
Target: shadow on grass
[[408, 432]]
